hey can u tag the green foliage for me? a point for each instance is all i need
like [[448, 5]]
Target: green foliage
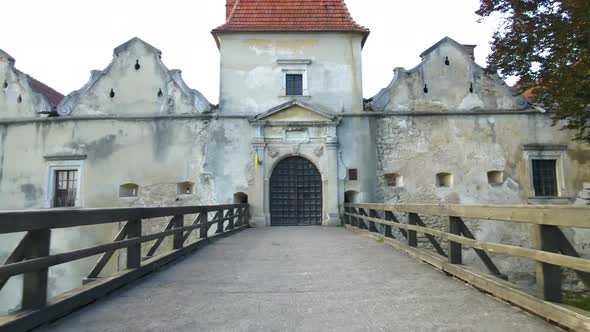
[[546, 43], [380, 239], [579, 301]]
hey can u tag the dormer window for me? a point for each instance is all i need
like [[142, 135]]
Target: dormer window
[[294, 84]]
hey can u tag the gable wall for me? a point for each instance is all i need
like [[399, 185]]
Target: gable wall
[[448, 86], [18, 85]]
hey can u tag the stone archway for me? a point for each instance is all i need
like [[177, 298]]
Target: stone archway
[[295, 193]]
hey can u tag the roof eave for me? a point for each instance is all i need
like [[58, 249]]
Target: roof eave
[[216, 32]]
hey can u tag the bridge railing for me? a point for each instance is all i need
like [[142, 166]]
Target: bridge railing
[[552, 248], [32, 258]]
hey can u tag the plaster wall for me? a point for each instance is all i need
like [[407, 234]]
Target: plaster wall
[[155, 153], [251, 76]]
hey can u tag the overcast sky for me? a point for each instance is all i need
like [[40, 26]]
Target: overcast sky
[[60, 41]]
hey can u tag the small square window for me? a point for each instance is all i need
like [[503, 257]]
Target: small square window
[[353, 174], [394, 180], [294, 84], [544, 177], [444, 180], [495, 178]]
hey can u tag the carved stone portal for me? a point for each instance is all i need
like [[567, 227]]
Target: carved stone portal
[[272, 153], [318, 152]]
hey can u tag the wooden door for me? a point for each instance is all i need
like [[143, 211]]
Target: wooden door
[[295, 193]]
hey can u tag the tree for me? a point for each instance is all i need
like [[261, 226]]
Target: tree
[[546, 44]]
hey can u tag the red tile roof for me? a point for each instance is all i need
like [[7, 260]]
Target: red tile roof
[[52, 96], [291, 16], [48, 92]]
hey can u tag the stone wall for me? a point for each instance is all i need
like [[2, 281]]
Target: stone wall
[[417, 148]]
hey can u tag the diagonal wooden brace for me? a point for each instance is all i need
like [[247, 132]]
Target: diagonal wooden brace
[[104, 259], [431, 238], [17, 255]]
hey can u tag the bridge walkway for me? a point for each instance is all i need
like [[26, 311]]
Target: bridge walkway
[[298, 279]]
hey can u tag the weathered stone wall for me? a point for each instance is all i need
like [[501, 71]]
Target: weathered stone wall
[[468, 146]]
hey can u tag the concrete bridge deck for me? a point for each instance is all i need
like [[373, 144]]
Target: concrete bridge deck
[[298, 279]]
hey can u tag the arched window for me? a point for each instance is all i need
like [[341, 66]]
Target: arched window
[[240, 198], [351, 196]]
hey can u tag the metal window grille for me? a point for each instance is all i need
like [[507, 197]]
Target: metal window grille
[[353, 174], [66, 182], [544, 178], [294, 84]]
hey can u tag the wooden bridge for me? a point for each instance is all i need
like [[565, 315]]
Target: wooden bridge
[[299, 278]]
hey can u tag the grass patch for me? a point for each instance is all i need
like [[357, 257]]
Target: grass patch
[[581, 301], [380, 239]]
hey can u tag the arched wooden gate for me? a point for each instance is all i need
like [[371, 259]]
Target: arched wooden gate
[[295, 193]]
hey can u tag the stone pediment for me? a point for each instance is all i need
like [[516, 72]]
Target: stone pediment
[[295, 111]]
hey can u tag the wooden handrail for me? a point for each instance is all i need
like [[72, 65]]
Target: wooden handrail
[[32, 258], [29, 220], [552, 249], [554, 215], [575, 263]]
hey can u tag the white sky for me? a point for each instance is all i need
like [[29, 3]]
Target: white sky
[[60, 41]]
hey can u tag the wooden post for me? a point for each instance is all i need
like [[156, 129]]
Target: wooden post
[[134, 251], [203, 232], [355, 220], [178, 241], [219, 215], [372, 226], [346, 217], [35, 283], [387, 231], [361, 222], [412, 236], [455, 249], [548, 275], [241, 217], [230, 214]]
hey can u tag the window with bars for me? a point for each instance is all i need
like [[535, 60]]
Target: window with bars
[[353, 174], [294, 84], [544, 177], [66, 182]]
